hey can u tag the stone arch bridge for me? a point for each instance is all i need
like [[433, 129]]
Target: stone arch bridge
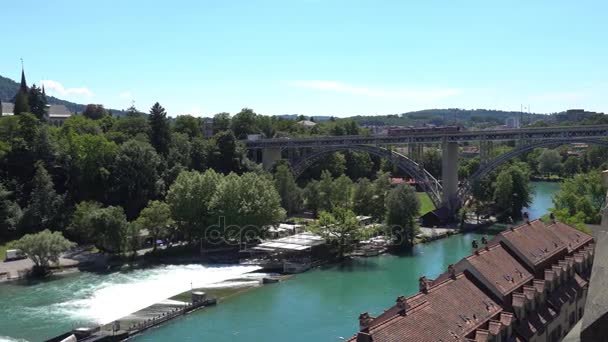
[[447, 192]]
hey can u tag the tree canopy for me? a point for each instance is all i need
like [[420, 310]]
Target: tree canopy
[[44, 247]]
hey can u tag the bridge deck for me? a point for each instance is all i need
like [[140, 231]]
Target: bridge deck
[[526, 134]]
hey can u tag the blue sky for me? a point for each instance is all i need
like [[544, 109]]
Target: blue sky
[[320, 57]]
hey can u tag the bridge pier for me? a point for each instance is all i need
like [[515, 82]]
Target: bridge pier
[[449, 175], [270, 155]]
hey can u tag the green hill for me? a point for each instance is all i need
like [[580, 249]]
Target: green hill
[[451, 116]]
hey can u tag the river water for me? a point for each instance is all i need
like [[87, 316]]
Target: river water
[[322, 304]]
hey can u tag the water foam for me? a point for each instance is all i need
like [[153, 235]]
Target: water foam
[[123, 293]]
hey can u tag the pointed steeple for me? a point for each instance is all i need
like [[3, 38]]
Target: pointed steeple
[[43, 92], [23, 86]]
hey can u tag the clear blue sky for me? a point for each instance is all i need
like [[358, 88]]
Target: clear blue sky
[[313, 56]]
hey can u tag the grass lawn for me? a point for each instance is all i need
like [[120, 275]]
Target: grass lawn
[[425, 203], [3, 248]]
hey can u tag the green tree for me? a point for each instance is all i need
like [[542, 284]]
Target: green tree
[[95, 111], [581, 196], [504, 191], [339, 227], [110, 227], [160, 135], [92, 158], [221, 122], [265, 125], [358, 164], [334, 163], [549, 162], [136, 176], [21, 103], [402, 208], [572, 166], [326, 191], [342, 192], [596, 156], [133, 238], [225, 154], [80, 124], [312, 196], [133, 112], [520, 173], [43, 248], [44, 203], [189, 125], [10, 213], [243, 123], [81, 225], [37, 103], [136, 127], [431, 161], [286, 186], [512, 190], [363, 197], [156, 219], [189, 198], [249, 202], [199, 153], [380, 189]]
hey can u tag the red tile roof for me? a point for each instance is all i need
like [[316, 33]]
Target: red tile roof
[[450, 310], [573, 237], [500, 269], [533, 242]]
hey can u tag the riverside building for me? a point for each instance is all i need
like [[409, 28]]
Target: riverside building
[[529, 283]]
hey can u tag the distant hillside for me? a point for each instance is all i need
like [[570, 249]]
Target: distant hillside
[[452, 116], [8, 89]]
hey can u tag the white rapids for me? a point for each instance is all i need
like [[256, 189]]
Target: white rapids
[[123, 293]]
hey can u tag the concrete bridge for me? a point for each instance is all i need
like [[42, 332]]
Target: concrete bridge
[[304, 152]]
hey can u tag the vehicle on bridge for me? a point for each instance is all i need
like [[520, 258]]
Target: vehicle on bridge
[[423, 130]]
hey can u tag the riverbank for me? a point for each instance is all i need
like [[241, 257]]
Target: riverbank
[[321, 304]]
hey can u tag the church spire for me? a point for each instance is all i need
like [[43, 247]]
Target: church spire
[[23, 82]]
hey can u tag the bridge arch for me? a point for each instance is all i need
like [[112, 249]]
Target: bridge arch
[[428, 183], [492, 165]]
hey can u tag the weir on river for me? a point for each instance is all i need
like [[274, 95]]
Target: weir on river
[[322, 304]]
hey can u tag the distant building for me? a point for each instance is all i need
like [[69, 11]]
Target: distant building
[[307, 123], [574, 115], [207, 127], [56, 114], [7, 108], [513, 122], [469, 151], [529, 283]]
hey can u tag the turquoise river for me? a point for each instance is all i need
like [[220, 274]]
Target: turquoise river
[[320, 305]]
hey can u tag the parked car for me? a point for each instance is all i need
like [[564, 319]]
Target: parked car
[[14, 254]]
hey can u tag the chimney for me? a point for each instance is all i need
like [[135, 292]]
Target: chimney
[[364, 337], [526, 217], [552, 217], [452, 271], [475, 246], [402, 305], [423, 283], [365, 320]]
